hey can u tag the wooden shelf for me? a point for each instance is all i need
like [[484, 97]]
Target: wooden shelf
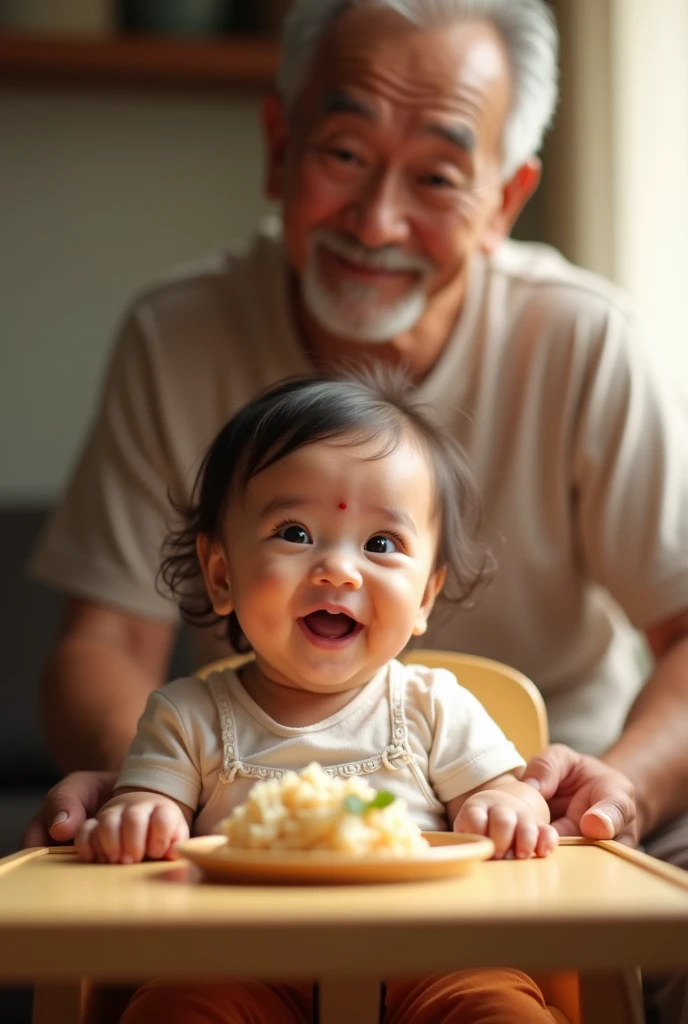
[[238, 62]]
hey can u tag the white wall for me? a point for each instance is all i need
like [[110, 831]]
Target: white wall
[[619, 199], [650, 97], [99, 194]]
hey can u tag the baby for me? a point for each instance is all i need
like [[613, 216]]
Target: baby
[[325, 520]]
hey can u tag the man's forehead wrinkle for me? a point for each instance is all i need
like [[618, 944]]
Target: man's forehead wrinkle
[[453, 119], [390, 86], [439, 80]]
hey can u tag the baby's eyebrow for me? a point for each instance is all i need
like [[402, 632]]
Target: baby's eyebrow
[[288, 503], [284, 503], [397, 516]]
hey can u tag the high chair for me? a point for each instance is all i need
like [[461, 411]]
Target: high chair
[[516, 704], [572, 997]]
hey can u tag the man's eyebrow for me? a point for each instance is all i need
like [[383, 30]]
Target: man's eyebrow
[[396, 516], [340, 102], [459, 136]]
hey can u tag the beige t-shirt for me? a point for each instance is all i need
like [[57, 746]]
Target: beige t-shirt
[[412, 730], [580, 452]]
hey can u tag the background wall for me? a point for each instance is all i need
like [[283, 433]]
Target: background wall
[[99, 194], [617, 164], [102, 192]]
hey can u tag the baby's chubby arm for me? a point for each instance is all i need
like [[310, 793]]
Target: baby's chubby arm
[[136, 823], [514, 816]]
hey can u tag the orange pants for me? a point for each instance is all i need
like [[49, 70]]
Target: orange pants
[[500, 996]]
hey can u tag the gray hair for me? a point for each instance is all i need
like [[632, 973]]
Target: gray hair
[[526, 26]]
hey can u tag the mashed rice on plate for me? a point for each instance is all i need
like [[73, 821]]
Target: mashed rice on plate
[[310, 810]]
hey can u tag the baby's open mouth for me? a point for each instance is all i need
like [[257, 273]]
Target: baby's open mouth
[[331, 625]]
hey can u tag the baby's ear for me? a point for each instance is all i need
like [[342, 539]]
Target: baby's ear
[[432, 589], [213, 562]]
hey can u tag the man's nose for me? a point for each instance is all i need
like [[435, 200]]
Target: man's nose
[[337, 569], [377, 216]]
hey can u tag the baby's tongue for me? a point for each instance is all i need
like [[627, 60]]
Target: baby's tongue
[[327, 625]]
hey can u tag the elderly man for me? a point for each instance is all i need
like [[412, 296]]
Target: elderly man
[[401, 148]]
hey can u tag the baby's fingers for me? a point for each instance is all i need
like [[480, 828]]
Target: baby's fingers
[[165, 828], [84, 840], [526, 838], [108, 836], [548, 840], [134, 832], [501, 829], [472, 817]]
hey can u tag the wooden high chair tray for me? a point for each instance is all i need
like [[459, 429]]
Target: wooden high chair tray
[[449, 855]]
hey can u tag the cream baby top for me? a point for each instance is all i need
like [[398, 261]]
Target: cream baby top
[[415, 731]]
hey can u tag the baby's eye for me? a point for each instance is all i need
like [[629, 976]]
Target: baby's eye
[[294, 534], [381, 545]]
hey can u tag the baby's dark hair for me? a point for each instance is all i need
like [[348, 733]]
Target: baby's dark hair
[[351, 410]]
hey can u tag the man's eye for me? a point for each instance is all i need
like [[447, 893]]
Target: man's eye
[[437, 181], [344, 156], [380, 545], [295, 534]]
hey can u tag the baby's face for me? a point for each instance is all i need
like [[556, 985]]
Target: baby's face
[[329, 562]]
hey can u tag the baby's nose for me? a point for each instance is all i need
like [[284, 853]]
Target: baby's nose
[[338, 570]]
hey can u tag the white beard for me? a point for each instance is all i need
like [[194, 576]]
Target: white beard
[[353, 310]]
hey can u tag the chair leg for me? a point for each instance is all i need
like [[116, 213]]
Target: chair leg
[[613, 996], [561, 989], [57, 1004], [345, 1000], [104, 1004]]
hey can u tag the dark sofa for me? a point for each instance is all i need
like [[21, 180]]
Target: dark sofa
[[29, 625]]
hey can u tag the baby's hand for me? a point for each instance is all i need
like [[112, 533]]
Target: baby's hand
[[510, 822], [131, 826]]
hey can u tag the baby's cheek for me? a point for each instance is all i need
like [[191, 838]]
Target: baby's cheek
[[265, 602]]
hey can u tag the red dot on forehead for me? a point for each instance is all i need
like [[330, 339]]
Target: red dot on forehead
[[342, 504]]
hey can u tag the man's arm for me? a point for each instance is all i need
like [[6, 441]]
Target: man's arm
[[652, 748], [97, 683], [642, 780]]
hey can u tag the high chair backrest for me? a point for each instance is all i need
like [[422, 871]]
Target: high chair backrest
[[507, 695]]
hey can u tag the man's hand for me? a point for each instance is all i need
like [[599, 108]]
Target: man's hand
[[67, 806], [586, 796]]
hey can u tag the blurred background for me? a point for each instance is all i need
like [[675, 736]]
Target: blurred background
[[130, 143]]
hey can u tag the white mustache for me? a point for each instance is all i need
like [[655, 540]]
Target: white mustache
[[388, 257]]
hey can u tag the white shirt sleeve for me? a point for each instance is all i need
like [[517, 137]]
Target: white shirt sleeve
[[466, 748], [162, 756]]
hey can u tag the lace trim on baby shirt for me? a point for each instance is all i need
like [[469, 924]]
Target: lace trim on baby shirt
[[218, 688], [400, 728], [393, 757]]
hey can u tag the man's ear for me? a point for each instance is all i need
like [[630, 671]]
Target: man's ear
[[213, 562], [276, 134], [434, 585], [515, 194]]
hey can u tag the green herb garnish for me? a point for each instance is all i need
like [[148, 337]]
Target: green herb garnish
[[383, 798]]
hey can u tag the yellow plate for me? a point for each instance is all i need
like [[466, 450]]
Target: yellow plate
[[448, 855]]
